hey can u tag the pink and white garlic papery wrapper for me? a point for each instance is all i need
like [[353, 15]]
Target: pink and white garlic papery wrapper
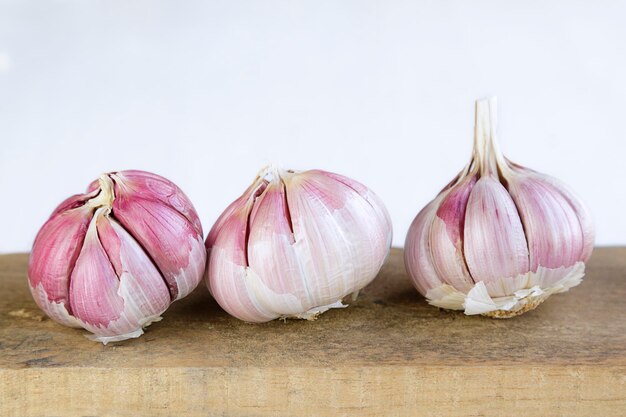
[[295, 244], [500, 238], [112, 260]]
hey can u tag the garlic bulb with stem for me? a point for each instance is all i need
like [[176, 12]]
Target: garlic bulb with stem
[[295, 244], [500, 238], [112, 260]]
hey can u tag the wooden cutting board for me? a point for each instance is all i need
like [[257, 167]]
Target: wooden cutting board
[[389, 353]]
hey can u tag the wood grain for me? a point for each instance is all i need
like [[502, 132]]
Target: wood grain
[[389, 353]]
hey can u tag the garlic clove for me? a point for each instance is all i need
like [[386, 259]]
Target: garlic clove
[[176, 246], [326, 217], [495, 246], [446, 236], [418, 258], [228, 274], [154, 187], [61, 237], [116, 289], [539, 204], [94, 284], [582, 212], [147, 293], [282, 288], [313, 208]]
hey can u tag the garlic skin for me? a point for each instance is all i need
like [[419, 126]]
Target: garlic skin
[[295, 244], [500, 238], [112, 260]]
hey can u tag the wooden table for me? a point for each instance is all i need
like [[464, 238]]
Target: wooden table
[[389, 353]]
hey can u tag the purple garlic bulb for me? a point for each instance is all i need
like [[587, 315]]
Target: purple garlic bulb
[[112, 260], [295, 244], [500, 238]]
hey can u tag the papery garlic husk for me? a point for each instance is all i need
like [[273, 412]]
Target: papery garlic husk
[[295, 244], [500, 238], [112, 260]]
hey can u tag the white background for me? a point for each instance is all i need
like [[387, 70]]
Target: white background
[[206, 93]]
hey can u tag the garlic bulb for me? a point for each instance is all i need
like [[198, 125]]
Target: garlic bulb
[[294, 244], [113, 259], [500, 238]]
